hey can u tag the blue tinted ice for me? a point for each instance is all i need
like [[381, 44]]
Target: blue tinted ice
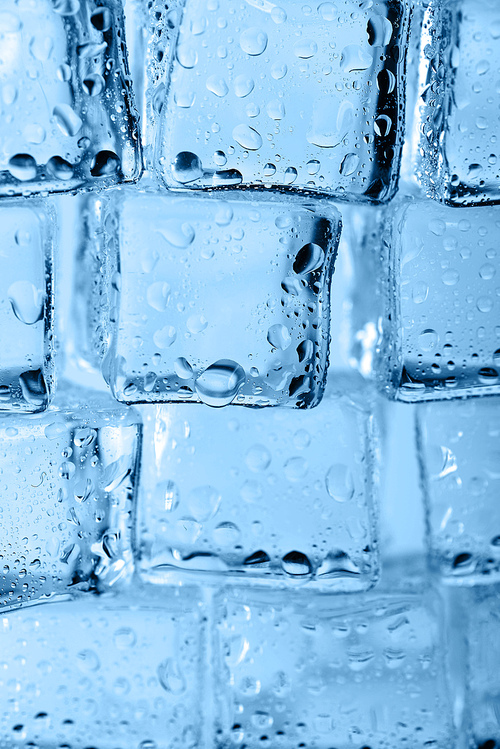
[[459, 116], [442, 321], [26, 307], [103, 672], [307, 97], [66, 112], [196, 299], [357, 671], [483, 693], [67, 482], [266, 495], [459, 453]]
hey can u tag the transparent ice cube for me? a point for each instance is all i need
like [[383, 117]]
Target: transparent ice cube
[[459, 454], [460, 120], [441, 327], [66, 113], [197, 299], [26, 307], [304, 97], [103, 672], [483, 682], [68, 481], [262, 494], [325, 671]]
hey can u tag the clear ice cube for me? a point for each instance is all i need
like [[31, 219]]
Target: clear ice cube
[[262, 494], [26, 307], [68, 480], [66, 114], [459, 455], [325, 671], [441, 328], [308, 98], [103, 672], [197, 299], [459, 117]]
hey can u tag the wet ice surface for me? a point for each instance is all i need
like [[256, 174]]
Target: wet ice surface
[[67, 481], [344, 671], [460, 119], [268, 495], [307, 97], [459, 453], [442, 337], [26, 307], [66, 112], [103, 672], [214, 301]]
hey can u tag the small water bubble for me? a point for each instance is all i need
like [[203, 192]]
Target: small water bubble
[[253, 41]]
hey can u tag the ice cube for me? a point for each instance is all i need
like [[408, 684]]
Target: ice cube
[[197, 299], [26, 307], [104, 672], [267, 495], [307, 98], [459, 454], [68, 481], [352, 671], [460, 120], [66, 113], [441, 333]]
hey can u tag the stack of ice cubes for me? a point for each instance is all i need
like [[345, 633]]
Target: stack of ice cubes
[[250, 374]]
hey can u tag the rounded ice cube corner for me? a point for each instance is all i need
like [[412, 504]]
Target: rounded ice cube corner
[[195, 299], [300, 99], [67, 117], [27, 371]]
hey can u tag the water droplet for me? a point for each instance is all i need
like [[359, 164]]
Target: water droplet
[[243, 86], [84, 436], [104, 164], [428, 339], [183, 368], [171, 677], [177, 233], [94, 84], [305, 48], [220, 383], [296, 564], [276, 109], [290, 175], [247, 137], [420, 292], [33, 387], [313, 166], [379, 30], [450, 277], [88, 661], [67, 119], [339, 482], [349, 164], [279, 336], [253, 41], [217, 85], [26, 301], [196, 324], [165, 337], [60, 168], [124, 638], [328, 11], [22, 166], [67, 470], [187, 167], [382, 125], [226, 534], [203, 502], [187, 56], [355, 58], [295, 469], [258, 458], [158, 294], [101, 19], [308, 258]]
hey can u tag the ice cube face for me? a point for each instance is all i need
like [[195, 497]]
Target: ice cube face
[[269, 494], [442, 335], [302, 97], [191, 299], [26, 307], [66, 114], [68, 483], [330, 671], [101, 672], [459, 448], [484, 660], [460, 121]]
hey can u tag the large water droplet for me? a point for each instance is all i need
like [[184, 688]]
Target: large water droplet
[[253, 41], [177, 233], [67, 119], [104, 164], [355, 58], [33, 387], [308, 258], [26, 301], [339, 482], [258, 458], [158, 294], [219, 384], [22, 166], [247, 137], [171, 677], [187, 167], [203, 502], [296, 564], [243, 86], [187, 56], [279, 336], [217, 85]]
